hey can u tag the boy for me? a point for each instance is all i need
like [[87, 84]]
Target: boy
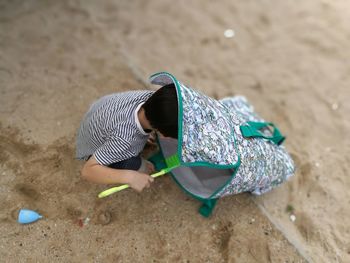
[[115, 130]]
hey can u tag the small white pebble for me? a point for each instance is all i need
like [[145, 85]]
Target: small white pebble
[[214, 227], [335, 106], [86, 221], [253, 220], [229, 33], [292, 218], [317, 164]]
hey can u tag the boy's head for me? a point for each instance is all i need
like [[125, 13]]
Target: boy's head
[[161, 110]]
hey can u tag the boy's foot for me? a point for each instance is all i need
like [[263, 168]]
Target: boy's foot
[[146, 167]]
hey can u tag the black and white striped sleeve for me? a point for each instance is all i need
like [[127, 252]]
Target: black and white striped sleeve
[[112, 151]]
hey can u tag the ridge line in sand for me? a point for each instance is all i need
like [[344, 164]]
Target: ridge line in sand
[[136, 72], [291, 240]]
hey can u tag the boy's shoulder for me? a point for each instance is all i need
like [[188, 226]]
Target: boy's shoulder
[[134, 92], [125, 97], [129, 95]]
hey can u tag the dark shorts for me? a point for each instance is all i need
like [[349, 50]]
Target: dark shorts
[[134, 163]]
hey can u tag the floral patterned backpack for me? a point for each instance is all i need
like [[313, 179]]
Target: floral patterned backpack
[[223, 147]]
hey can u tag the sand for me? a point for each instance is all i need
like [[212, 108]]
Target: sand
[[291, 60]]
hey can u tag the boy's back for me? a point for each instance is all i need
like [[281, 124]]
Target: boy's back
[[110, 129], [115, 130]]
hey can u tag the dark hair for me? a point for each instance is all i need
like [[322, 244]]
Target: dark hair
[[161, 111]]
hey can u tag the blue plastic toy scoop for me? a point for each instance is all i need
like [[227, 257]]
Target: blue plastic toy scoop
[[27, 216]]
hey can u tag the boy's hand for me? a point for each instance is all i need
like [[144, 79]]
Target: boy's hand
[[139, 181]]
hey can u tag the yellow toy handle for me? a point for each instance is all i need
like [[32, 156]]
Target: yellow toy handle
[[124, 186]]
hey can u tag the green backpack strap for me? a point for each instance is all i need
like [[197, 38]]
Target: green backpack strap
[[207, 207], [252, 130]]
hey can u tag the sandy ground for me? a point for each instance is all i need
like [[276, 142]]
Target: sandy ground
[[291, 59]]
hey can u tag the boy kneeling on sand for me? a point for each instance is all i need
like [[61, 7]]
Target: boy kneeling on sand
[[115, 130]]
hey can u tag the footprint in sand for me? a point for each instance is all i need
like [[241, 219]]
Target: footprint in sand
[[222, 238], [27, 191]]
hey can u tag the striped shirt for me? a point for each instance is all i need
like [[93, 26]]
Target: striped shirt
[[111, 130]]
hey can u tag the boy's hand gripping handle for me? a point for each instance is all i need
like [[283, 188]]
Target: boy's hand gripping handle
[[124, 186]]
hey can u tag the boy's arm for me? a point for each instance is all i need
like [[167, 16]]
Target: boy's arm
[[94, 172]]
